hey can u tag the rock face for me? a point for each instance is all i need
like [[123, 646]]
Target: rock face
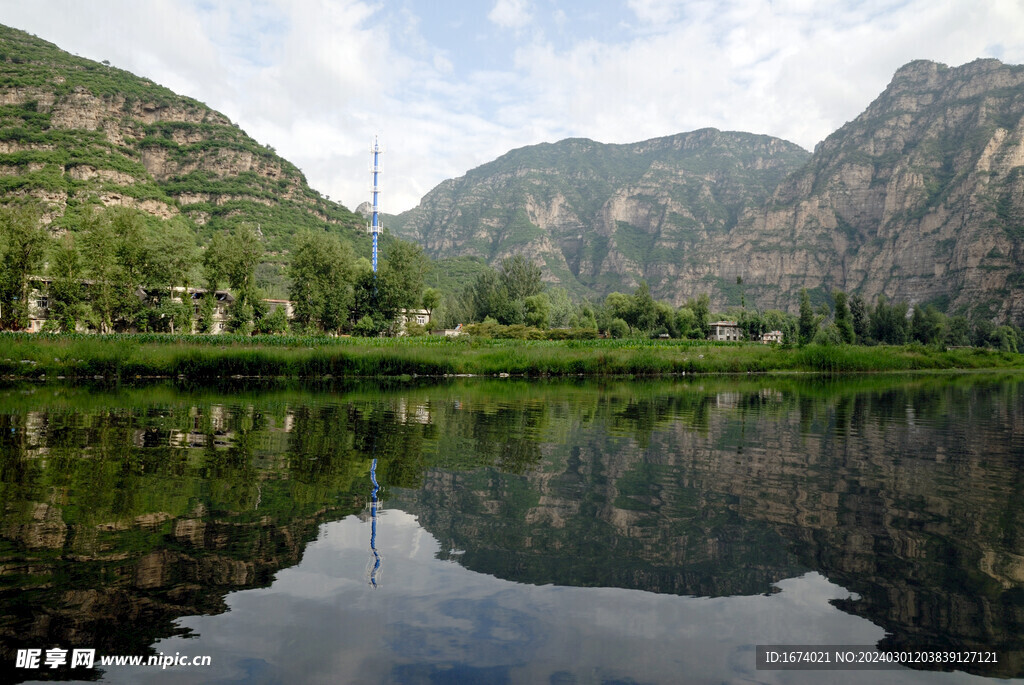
[[75, 134], [921, 198], [601, 217]]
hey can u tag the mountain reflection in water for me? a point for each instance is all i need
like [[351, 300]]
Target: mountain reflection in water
[[532, 532]]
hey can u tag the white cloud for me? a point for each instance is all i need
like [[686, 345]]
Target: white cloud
[[317, 79], [655, 11], [511, 14]]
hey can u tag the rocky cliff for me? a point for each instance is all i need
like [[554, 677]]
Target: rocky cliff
[[76, 133], [921, 197], [601, 217]]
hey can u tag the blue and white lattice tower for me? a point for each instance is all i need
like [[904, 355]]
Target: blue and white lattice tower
[[374, 228]]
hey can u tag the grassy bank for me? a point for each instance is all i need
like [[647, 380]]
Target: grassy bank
[[201, 357]]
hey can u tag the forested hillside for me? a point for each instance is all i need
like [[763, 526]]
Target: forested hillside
[[76, 135]]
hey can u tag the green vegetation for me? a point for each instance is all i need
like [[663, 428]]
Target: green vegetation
[[192, 162], [210, 357]]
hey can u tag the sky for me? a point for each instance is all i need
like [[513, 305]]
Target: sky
[[450, 85]]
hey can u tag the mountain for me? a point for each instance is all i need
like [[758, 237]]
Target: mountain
[[76, 133], [600, 217], [921, 198]]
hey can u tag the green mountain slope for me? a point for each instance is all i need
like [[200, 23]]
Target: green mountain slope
[[601, 217], [76, 133]]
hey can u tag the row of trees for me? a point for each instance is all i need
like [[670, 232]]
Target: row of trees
[[514, 294], [335, 292], [124, 270], [854, 321]]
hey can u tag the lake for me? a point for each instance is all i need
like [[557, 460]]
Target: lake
[[501, 531]]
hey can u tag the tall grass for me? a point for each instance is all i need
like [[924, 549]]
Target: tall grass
[[209, 357]]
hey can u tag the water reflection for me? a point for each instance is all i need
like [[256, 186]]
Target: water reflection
[[125, 511]]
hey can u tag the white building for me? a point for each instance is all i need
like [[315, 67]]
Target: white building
[[725, 331]]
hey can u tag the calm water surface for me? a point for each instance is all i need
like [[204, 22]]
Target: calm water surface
[[520, 533]]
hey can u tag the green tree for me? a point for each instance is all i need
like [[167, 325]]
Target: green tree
[[275, 323], [132, 257], [23, 243], [322, 272], [231, 258], [701, 308], [586, 318], [405, 266], [644, 311], [538, 310], [807, 325], [752, 325], [520, 277], [860, 319], [618, 328], [562, 308], [173, 254], [66, 294], [889, 322], [207, 307], [430, 301], [492, 297], [686, 323], [927, 325], [1005, 338], [376, 297], [958, 332], [98, 239], [844, 318]]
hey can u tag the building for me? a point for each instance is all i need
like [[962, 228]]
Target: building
[[725, 330], [39, 304], [420, 317], [772, 337]]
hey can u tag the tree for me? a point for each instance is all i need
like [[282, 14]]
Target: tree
[[619, 306], [101, 267], [538, 310], [701, 308], [374, 296], [807, 325], [276, 323], [844, 319], [173, 254], [927, 325], [431, 299], [520, 277], [405, 265], [686, 323], [752, 324], [562, 308], [644, 311], [860, 318], [132, 263], [618, 328], [232, 258], [322, 272], [23, 242], [958, 332], [586, 318], [889, 322], [491, 297], [66, 295], [1005, 338]]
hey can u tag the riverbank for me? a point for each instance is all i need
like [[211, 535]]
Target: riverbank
[[207, 357]]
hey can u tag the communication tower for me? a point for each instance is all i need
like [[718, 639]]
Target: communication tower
[[374, 227]]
